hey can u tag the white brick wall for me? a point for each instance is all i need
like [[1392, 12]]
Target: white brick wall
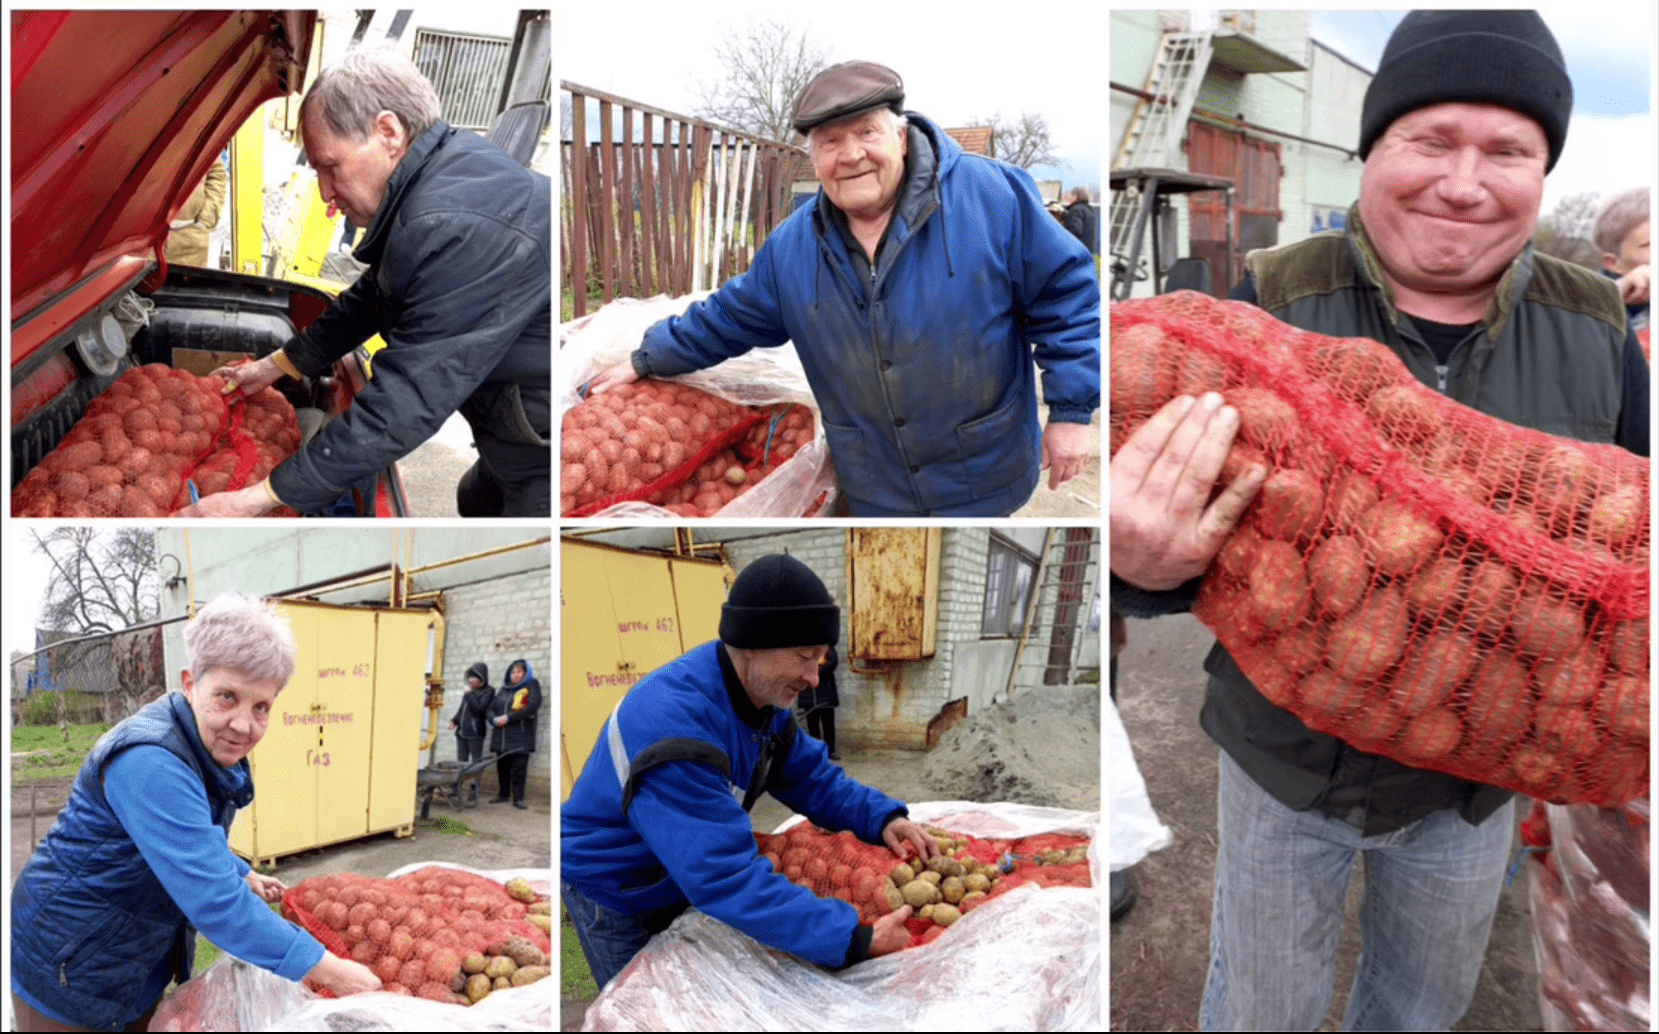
[[889, 705], [497, 622]]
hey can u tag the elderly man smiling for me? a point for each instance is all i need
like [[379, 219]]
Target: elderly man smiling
[[1466, 114], [917, 287], [459, 244]]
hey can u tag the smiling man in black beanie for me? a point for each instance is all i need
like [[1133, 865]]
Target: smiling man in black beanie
[[1467, 113], [658, 820]]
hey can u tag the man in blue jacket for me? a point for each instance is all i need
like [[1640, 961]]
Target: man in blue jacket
[[658, 820], [459, 246], [917, 287]]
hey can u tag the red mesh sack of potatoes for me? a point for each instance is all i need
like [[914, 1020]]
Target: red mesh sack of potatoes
[[868, 877], [1423, 581], [673, 446], [139, 441], [417, 934]]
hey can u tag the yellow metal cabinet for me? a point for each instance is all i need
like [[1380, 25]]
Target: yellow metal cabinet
[[339, 757], [623, 615]]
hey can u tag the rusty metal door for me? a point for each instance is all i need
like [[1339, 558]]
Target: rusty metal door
[[1253, 165], [893, 584]]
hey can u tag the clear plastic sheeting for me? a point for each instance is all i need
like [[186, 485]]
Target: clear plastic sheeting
[[763, 377], [1590, 919], [232, 995], [1027, 960], [1133, 829]]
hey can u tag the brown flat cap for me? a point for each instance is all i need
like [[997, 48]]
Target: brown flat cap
[[850, 88]]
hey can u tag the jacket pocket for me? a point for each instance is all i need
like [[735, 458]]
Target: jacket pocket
[[511, 413], [999, 448]]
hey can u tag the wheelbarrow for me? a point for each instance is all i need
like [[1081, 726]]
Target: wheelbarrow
[[449, 778]]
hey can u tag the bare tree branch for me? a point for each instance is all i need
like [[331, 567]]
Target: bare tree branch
[[763, 67], [1022, 141], [1565, 231]]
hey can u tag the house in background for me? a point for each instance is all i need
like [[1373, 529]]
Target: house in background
[[1248, 97]]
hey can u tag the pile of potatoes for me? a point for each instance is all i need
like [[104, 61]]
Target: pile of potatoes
[[673, 446], [1400, 538], [131, 452], [939, 891], [438, 934]]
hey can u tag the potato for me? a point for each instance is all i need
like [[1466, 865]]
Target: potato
[[530, 974], [1432, 735], [1265, 420], [1338, 575], [1405, 414], [1369, 639], [1618, 517], [1432, 670], [1396, 539], [1545, 626], [1289, 505], [1279, 593], [1301, 650], [919, 892], [478, 987]]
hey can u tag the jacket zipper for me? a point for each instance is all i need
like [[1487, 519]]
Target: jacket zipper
[[1440, 373]]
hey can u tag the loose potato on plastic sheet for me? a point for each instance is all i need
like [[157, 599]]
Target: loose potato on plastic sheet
[[1421, 580]]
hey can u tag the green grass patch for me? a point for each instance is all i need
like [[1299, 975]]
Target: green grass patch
[[575, 979], [454, 827], [39, 752], [206, 955]]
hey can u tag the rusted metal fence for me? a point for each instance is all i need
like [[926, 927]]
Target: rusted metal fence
[[659, 203]]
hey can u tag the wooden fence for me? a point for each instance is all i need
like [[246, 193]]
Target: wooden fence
[[659, 203]]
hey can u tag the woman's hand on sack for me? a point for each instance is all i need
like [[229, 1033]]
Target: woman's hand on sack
[[901, 832], [250, 378], [615, 377], [890, 934], [269, 888], [343, 976], [243, 502], [1165, 530]]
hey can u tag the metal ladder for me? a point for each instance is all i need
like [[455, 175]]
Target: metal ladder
[[1066, 585], [1154, 134]]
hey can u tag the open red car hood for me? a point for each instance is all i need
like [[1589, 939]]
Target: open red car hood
[[115, 118]]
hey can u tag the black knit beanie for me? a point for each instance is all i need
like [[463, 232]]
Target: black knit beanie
[[1507, 58], [778, 602]]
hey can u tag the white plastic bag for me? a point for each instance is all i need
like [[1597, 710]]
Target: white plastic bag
[[763, 377], [1028, 959], [1135, 829]]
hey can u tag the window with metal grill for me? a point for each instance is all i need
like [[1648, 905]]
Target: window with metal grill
[[1008, 577]]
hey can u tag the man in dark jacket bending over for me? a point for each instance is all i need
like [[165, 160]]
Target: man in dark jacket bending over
[[459, 246]]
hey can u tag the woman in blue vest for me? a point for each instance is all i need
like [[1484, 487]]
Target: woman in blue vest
[[105, 914]]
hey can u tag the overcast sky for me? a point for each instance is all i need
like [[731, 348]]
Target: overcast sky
[[957, 62]]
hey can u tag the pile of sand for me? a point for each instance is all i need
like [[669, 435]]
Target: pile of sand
[[1041, 748]]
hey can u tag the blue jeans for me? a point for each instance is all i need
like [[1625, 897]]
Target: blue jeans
[[1431, 890], [610, 939]]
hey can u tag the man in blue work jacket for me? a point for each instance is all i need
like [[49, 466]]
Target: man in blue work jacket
[[918, 286]]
